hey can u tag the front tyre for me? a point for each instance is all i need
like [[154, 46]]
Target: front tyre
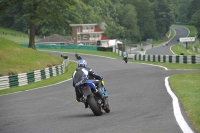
[[107, 109], [93, 105]]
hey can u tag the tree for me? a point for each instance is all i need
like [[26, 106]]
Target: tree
[[163, 16], [87, 13], [195, 20], [127, 17], [193, 8], [146, 22], [183, 10], [114, 30], [39, 11]]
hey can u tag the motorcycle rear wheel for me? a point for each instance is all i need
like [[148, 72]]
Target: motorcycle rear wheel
[[93, 105]]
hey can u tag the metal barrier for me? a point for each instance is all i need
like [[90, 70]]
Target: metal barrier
[[71, 46], [164, 58], [30, 77], [168, 58]]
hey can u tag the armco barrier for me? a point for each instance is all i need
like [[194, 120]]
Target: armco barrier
[[168, 58], [84, 47], [110, 49], [40, 46], [30, 77], [164, 58]]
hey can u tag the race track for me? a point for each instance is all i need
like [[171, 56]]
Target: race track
[[138, 99], [166, 50]]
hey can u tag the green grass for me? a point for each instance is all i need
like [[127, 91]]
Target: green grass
[[187, 89], [15, 36], [196, 44], [191, 52], [14, 32], [16, 59], [178, 49], [193, 30]]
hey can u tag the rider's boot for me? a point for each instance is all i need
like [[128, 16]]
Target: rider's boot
[[82, 99]]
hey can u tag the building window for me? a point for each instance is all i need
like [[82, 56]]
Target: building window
[[78, 29], [79, 37], [85, 37]]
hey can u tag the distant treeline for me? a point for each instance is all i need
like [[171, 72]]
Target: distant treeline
[[133, 20]]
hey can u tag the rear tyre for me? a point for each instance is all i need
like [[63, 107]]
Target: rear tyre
[[93, 105]]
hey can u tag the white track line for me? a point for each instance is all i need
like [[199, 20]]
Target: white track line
[[37, 88], [177, 112]]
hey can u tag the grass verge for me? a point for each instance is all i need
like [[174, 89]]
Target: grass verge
[[16, 59], [178, 49], [187, 89], [15, 36]]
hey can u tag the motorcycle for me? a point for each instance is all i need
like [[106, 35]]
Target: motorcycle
[[125, 59], [78, 57], [64, 56], [94, 102]]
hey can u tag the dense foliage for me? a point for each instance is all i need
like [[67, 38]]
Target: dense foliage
[[135, 20]]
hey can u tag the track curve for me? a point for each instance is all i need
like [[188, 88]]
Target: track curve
[[138, 99], [166, 50]]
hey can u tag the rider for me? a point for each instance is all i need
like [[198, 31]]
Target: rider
[[84, 73], [125, 57], [78, 57]]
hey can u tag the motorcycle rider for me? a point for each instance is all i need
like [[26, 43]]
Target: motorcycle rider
[[78, 57], [84, 73], [125, 57]]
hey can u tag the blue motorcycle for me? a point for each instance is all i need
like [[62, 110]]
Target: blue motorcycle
[[96, 104]]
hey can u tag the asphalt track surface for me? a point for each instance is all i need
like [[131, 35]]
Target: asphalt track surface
[[138, 99], [166, 50]]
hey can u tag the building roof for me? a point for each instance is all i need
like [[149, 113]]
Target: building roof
[[81, 24], [55, 38]]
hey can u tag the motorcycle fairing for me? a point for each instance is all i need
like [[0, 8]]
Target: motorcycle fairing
[[91, 84], [102, 90], [86, 90]]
